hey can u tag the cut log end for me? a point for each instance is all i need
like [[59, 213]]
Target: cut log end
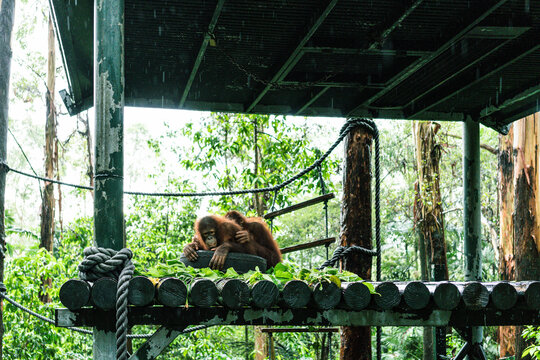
[[416, 295], [75, 294], [295, 294], [171, 292], [475, 295], [446, 296], [233, 293], [388, 295], [203, 293], [326, 295], [264, 294], [356, 295], [504, 296], [532, 295], [141, 291], [103, 293]]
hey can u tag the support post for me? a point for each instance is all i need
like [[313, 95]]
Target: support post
[[356, 229], [109, 161], [471, 211]]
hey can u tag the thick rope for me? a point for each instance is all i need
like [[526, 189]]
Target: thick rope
[[101, 262], [347, 127]]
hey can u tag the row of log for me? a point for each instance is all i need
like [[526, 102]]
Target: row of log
[[235, 293]]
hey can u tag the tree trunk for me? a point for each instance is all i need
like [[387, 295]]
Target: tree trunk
[[506, 334], [526, 205], [429, 220], [7, 14], [47, 203], [356, 230]]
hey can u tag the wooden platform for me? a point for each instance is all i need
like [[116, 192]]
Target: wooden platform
[[233, 302]]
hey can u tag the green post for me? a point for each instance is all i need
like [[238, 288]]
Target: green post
[[109, 157], [471, 209]]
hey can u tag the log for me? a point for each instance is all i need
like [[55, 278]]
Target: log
[[415, 294], [74, 294], [103, 293], [356, 295], [295, 294], [532, 295], [446, 295], [233, 293], [202, 293], [264, 294], [388, 297], [141, 291], [171, 292], [503, 296], [475, 295], [326, 295]]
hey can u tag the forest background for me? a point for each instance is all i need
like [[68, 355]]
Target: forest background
[[180, 151]]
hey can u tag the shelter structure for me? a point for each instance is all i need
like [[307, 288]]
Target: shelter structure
[[457, 60]]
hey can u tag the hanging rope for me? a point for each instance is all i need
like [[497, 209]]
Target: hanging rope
[[102, 262], [347, 127]]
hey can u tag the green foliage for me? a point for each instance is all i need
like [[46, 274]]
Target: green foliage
[[223, 150], [532, 333], [27, 337], [279, 275]]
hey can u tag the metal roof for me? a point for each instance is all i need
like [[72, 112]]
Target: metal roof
[[396, 59]]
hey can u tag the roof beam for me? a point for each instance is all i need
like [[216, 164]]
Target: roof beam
[[511, 101], [460, 71], [384, 35], [405, 74], [202, 50], [295, 55], [312, 100], [334, 84], [351, 51], [474, 79]]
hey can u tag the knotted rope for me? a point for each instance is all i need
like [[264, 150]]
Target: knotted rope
[[344, 251], [101, 262]]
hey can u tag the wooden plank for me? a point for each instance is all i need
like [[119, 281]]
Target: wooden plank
[[298, 206], [299, 330], [165, 316], [308, 245], [156, 343]]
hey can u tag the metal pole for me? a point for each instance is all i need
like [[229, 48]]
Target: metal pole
[[109, 157], [471, 210]]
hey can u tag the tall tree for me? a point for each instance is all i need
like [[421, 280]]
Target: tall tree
[[7, 14], [47, 202], [507, 334], [526, 205], [429, 217]]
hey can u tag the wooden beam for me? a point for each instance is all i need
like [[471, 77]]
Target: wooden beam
[[308, 245], [299, 330], [384, 35], [456, 73], [298, 206], [202, 50], [473, 78], [157, 343], [353, 51], [295, 55], [182, 316], [313, 99], [413, 68]]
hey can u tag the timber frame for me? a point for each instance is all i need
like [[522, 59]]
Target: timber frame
[[385, 59]]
